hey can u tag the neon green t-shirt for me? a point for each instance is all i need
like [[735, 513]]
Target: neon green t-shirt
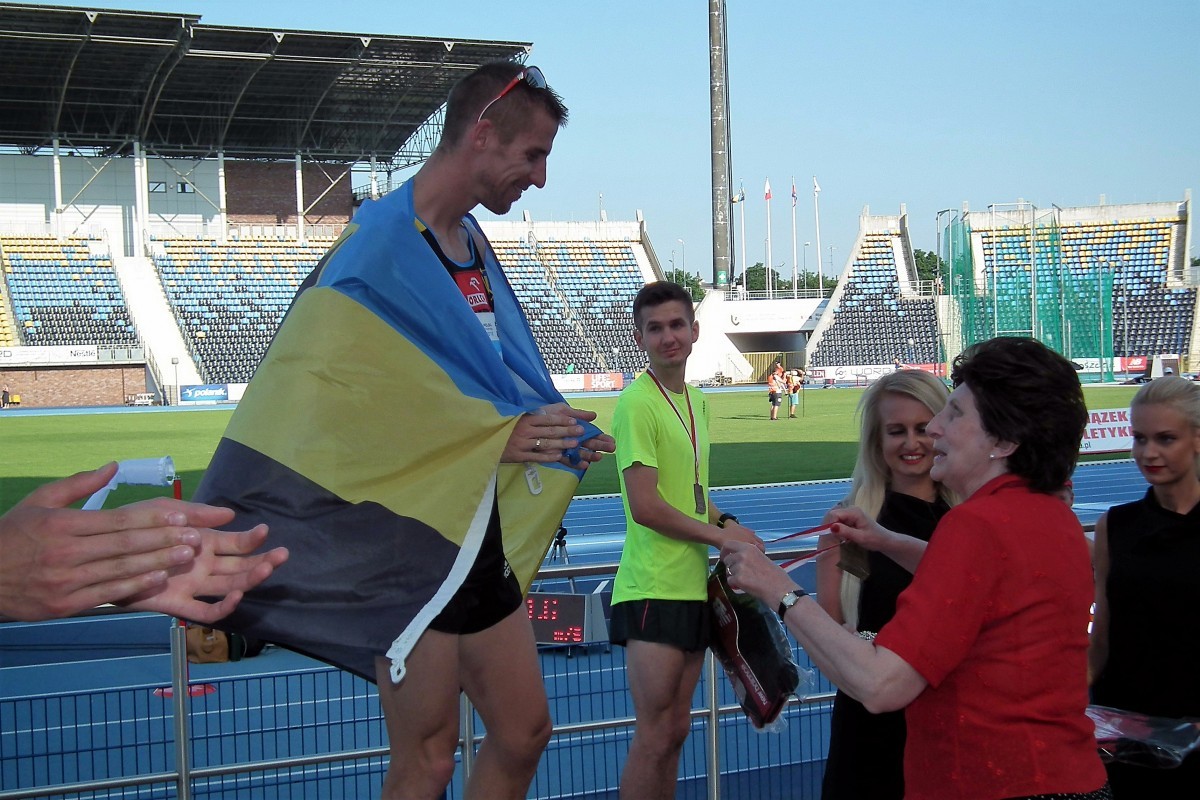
[[649, 432]]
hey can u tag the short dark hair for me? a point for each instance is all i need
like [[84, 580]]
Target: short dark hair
[[474, 91], [1028, 395], [657, 293]]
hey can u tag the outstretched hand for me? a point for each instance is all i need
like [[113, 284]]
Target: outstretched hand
[[735, 531], [58, 561], [224, 567]]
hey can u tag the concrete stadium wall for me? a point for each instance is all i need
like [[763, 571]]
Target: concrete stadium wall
[[1172, 210], [767, 316], [26, 194]]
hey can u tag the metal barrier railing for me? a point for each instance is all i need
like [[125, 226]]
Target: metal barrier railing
[[182, 778]]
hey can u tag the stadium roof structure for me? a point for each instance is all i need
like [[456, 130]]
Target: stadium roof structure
[[104, 79]]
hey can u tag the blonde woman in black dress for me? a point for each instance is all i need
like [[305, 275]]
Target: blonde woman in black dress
[[1144, 649], [891, 483]]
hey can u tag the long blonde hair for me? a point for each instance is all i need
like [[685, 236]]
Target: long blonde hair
[[871, 475], [1176, 392]]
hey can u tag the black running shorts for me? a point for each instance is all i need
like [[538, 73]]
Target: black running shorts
[[686, 624]]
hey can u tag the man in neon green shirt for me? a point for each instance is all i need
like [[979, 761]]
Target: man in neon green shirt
[[660, 609]]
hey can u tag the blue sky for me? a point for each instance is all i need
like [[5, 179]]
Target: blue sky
[[925, 103]]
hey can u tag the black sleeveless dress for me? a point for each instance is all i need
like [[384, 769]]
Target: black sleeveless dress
[[1153, 666], [866, 751]]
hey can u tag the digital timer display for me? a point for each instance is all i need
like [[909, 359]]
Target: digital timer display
[[562, 618]]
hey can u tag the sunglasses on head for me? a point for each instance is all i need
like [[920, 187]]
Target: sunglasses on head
[[531, 75]]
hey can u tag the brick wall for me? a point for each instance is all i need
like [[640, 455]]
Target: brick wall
[[72, 386], [264, 193]]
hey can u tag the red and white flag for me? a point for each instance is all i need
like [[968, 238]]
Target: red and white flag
[[767, 189]]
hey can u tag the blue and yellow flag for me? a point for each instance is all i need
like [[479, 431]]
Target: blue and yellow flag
[[369, 441]]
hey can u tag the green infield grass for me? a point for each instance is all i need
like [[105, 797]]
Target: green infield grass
[[747, 448]]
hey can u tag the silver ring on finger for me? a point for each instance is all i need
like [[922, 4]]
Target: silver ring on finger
[[537, 445]]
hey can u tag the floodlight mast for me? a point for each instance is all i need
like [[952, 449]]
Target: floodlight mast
[[722, 177]]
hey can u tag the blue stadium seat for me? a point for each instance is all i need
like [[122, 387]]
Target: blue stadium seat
[[65, 292]]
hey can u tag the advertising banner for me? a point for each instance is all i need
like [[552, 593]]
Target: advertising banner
[[1136, 364], [1107, 431], [56, 354], [862, 374], [603, 382], [207, 393], [568, 383]]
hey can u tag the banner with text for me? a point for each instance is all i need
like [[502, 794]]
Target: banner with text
[[603, 382], [207, 393], [55, 354], [867, 373], [1107, 431], [589, 382], [568, 383]]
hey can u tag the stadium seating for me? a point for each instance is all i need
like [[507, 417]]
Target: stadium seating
[[1148, 315], [229, 297], [1158, 318], [8, 332], [578, 297], [873, 323], [64, 292]]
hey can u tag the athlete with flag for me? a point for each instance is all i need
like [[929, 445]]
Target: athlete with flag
[[418, 509]]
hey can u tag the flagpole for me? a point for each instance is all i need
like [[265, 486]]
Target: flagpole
[[795, 266], [767, 270], [817, 214]]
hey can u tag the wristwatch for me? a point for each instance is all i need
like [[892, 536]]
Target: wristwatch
[[724, 518], [790, 599]]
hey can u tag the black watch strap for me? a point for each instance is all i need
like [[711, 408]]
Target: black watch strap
[[725, 518], [790, 599]]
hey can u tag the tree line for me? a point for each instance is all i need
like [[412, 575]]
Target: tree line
[[755, 279]]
